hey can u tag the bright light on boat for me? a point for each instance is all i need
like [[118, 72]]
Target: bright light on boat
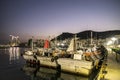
[[62, 44], [58, 44], [109, 42]]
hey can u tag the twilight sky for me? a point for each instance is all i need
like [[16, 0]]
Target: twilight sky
[[38, 18]]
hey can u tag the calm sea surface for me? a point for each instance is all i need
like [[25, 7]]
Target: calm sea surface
[[13, 67]]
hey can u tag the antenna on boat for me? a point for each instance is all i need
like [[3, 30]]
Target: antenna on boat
[[56, 42], [32, 43]]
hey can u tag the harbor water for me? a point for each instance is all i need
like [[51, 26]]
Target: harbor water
[[13, 67]]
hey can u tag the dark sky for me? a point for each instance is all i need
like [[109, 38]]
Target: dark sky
[[38, 18]]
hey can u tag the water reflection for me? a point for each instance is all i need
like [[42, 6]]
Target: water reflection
[[14, 54], [42, 73]]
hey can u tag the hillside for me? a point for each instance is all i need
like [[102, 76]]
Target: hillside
[[87, 34]]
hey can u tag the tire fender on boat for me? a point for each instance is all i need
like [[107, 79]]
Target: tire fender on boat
[[54, 58]]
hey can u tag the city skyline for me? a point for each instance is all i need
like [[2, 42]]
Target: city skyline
[[38, 18]]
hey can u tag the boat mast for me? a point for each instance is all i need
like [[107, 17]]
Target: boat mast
[[55, 42], [91, 37], [74, 44]]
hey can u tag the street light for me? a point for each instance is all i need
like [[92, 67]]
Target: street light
[[115, 48], [14, 39], [113, 39]]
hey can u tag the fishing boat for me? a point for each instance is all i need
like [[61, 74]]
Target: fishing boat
[[79, 63]]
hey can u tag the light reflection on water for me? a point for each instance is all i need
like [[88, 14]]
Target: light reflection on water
[[14, 54], [11, 55], [13, 65]]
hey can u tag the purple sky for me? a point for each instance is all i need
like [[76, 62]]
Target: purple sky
[[26, 18]]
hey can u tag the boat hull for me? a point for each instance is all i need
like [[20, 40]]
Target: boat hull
[[43, 73], [81, 67]]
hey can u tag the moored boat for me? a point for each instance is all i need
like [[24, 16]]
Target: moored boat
[[79, 63], [82, 66]]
